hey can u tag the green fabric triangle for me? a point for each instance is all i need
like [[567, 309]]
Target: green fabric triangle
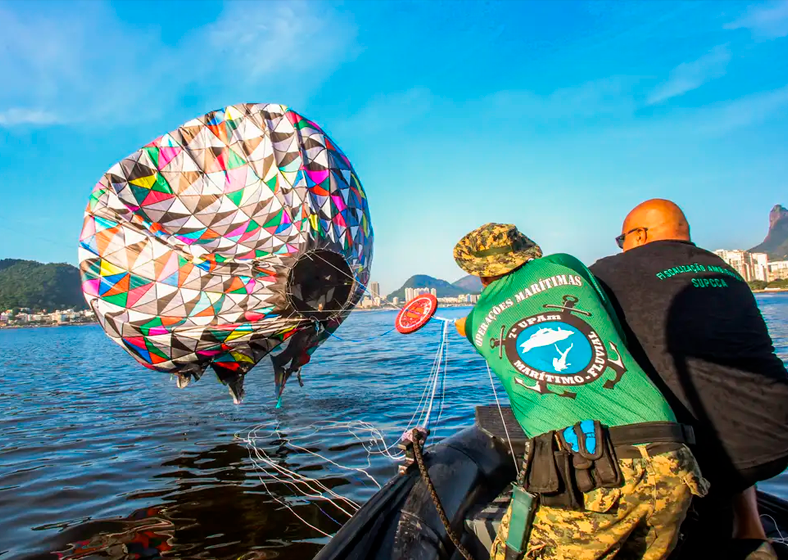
[[155, 322], [231, 125], [139, 193], [117, 299], [275, 221], [154, 350], [220, 335], [137, 281], [153, 153], [271, 183], [236, 196], [95, 196], [161, 185], [234, 160]]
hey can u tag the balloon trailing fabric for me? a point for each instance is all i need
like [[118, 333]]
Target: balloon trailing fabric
[[218, 242]]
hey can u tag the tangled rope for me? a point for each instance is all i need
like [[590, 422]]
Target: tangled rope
[[271, 470]]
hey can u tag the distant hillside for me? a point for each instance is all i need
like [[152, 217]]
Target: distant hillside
[[471, 284], [39, 286], [776, 242], [443, 288]]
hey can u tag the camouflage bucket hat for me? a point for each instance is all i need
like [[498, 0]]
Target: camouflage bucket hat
[[494, 249]]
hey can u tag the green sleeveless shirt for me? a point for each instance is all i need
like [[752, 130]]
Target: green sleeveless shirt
[[549, 333]]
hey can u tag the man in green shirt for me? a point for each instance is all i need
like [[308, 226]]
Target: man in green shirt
[[607, 461]]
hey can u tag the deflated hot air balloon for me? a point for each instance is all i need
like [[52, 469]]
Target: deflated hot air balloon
[[217, 242]]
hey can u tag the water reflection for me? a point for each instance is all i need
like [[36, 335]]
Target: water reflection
[[144, 535], [214, 506]]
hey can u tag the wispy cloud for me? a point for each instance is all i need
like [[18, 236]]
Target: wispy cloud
[[64, 66], [712, 120], [595, 98], [691, 75], [743, 112], [18, 116], [766, 21], [276, 39], [392, 111]]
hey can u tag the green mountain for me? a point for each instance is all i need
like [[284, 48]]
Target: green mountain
[[776, 242], [443, 288], [471, 284], [39, 286]]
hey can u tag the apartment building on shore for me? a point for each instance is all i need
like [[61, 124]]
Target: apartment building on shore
[[753, 266]]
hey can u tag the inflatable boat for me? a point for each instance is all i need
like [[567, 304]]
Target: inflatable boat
[[471, 474]]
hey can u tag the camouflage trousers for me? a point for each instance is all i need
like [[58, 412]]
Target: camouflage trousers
[[639, 520]]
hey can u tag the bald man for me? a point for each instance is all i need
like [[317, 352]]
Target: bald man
[[695, 326]]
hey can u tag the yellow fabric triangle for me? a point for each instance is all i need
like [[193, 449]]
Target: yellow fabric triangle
[[238, 357], [109, 269], [144, 182], [237, 334]]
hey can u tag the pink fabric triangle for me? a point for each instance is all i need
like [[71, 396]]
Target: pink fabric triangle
[[235, 179], [339, 201], [156, 196], [317, 176], [135, 294], [91, 287], [293, 117], [166, 155], [88, 229], [170, 268], [137, 341], [238, 231]]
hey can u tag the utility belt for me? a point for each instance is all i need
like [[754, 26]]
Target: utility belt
[[560, 466]]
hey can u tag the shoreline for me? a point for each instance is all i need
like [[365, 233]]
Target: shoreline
[[47, 325]]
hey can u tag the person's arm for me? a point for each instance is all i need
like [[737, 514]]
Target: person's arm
[[459, 324]]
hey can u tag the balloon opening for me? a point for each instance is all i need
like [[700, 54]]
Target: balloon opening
[[320, 284]]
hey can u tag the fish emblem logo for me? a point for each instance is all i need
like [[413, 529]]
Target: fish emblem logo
[[544, 337], [559, 349], [559, 364]]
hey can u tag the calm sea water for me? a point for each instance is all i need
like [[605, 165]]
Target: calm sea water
[[100, 458]]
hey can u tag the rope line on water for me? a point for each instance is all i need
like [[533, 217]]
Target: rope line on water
[[371, 439]]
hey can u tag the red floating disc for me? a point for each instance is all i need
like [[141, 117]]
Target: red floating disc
[[416, 313]]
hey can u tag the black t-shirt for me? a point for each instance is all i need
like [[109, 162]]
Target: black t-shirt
[[699, 333]]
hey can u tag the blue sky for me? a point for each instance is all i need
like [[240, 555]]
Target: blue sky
[[557, 116]]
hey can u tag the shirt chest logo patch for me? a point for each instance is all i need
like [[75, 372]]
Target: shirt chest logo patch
[[552, 346], [558, 348]]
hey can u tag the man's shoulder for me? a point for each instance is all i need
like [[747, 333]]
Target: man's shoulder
[[606, 264], [563, 259]]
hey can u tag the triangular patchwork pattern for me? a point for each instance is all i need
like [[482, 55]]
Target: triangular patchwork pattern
[[187, 243]]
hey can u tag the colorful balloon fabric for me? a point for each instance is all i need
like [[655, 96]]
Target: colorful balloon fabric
[[217, 242]]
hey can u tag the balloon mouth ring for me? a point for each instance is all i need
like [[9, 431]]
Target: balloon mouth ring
[[321, 285]]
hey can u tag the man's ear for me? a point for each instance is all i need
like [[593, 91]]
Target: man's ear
[[641, 236]]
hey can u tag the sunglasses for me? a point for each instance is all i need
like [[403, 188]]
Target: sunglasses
[[620, 239]]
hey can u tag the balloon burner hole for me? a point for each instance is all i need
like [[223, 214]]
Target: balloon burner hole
[[320, 284]]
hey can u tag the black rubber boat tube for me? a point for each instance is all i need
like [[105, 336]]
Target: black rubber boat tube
[[468, 470]]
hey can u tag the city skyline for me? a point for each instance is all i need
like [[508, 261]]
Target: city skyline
[[585, 110], [754, 266]]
